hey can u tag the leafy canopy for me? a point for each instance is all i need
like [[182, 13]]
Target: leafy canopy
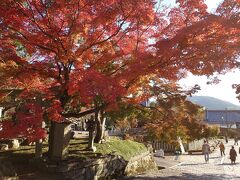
[[91, 53]]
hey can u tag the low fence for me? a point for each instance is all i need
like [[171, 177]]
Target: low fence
[[115, 132], [157, 145], [194, 146]]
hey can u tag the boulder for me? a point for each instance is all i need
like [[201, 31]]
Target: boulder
[[159, 153]]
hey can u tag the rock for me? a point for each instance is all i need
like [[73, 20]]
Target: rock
[[140, 164], [14, 144], [3, 147], [106, 167], [159, 153]]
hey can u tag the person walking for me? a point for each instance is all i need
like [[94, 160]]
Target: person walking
[[206, 151], [226, 138], [233, 155], [236, 141], [222, 149]]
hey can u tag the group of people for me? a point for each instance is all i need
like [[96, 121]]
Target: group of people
[[232, 153], [206, 150]]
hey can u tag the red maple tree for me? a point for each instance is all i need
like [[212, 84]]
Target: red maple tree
[[91, 53]]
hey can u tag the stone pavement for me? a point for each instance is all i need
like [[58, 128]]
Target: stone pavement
[[168, 161], [194, 167]]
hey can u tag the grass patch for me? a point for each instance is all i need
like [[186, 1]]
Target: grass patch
[[78, 149], [22, 154], [124, 148], [21, 158]]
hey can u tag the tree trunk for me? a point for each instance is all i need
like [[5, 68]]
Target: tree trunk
[[181, 145], [100, 126], [59, 137]]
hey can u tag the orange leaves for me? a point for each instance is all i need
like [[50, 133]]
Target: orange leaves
[[140, 91], [171, 114]]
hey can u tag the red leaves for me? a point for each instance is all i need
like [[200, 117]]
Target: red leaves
[[28, 124], [54, 111], [79, 51], [90, 84]]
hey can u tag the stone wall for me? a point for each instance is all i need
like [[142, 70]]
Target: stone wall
[[140, 164], [106, 167]]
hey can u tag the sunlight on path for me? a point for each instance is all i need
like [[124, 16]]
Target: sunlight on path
[[232, 171], [194, 167]]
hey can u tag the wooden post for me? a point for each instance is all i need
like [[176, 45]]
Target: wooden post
[[38, 149], [91, 128]]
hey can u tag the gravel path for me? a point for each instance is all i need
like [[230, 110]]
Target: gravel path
[[194, 167]]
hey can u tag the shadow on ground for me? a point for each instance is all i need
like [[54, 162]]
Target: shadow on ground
[[214, 157], [192, 164], [228, 164], [186, 176]]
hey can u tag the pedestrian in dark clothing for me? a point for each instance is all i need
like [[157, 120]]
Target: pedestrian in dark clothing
[[233, 155], [222, 149], [226, 139]]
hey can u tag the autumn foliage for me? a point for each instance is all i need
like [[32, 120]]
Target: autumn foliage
[[27, 123], [93, 53], [168, 116]]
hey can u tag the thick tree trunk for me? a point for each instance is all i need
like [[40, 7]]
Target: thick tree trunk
[[100, 126], [59, 137]]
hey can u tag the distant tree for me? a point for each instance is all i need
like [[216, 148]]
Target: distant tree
[[174, 116]]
